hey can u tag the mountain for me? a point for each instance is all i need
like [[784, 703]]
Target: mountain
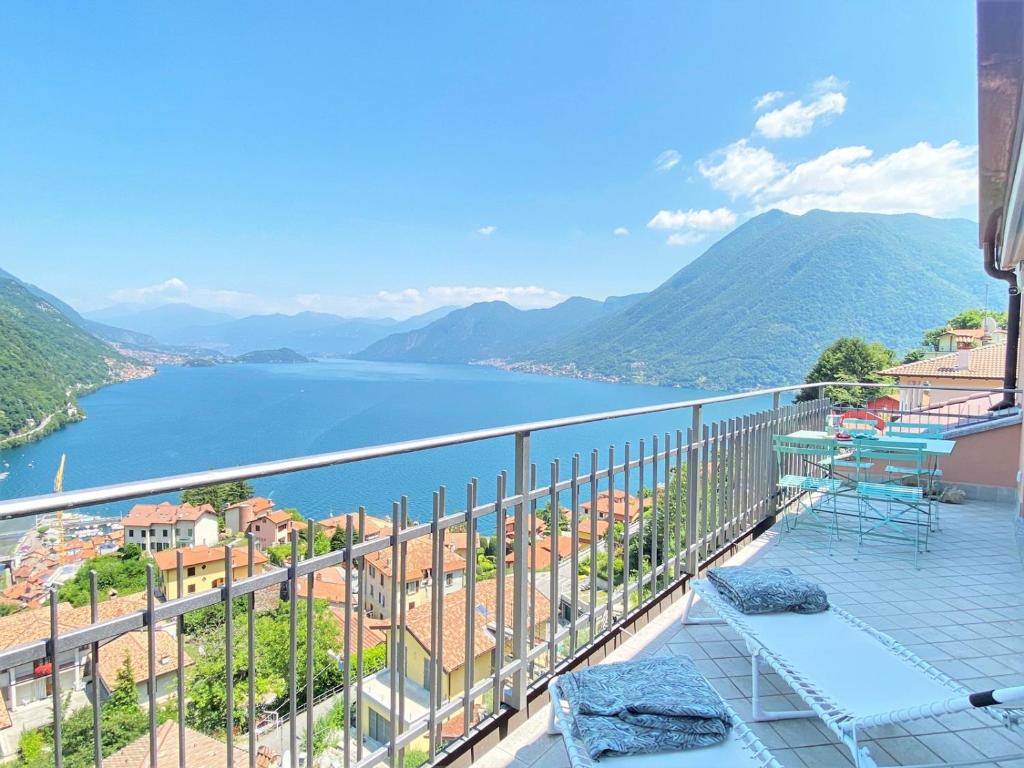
[[311, 333], [46, 359], [759, 305], [491, 330], [158, 322]]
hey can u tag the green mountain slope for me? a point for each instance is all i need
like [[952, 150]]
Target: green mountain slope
[[490, 330], [759, 305], [45, 360]]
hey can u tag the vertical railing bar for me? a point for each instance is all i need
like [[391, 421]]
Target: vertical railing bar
[[574, 564], [470, 617], [180, 578], [58, 741], [293, 650], [360, 620], [691, 496], [397, 668], [346, 651], [666, 511], [678, 521], [97, 738], [625, 528], [705, 523], [593, 546], [531, 560], [499, 619], [554, 592], [401, 573], [520, 572], [310, 657], [437, 568], [640, 543], [250, 645], [229, 655], [609, 538], [151, 664], [715, 488], [654, 518]]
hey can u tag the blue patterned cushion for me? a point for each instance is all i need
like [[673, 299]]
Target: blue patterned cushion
[[768, 590], [645, 706]]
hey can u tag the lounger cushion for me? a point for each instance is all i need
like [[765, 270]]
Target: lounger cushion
[[768, 590]]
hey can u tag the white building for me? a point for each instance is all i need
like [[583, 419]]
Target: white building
[[156, 527]]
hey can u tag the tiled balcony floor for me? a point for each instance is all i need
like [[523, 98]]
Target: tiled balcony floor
[[963, 611]]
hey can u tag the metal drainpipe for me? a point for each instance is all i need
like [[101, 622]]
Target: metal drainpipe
[[1013, 314]]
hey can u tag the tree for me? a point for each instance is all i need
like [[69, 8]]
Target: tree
[[849, 359], [913, 356], [218, 496], [969, 318], [125, 696], [339, 538], [123, 571]]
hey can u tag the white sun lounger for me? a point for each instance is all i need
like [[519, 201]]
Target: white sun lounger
[[741, 749], [849, 674]]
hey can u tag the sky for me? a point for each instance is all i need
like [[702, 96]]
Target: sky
[[380, 160]]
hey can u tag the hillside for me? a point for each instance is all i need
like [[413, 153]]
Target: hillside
[[45, 361], [283, 355], [157, 322], [491, 330], [759, 305]]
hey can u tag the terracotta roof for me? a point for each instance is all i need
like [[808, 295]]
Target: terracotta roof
[[203, 751], [418, 561], [257, 504], [164, 513], [167, 560], [372, 636], [460, 540], [618, 505], [328, 584], [278, 516], [584, 527], [135, 647], [375, 526], [988, 362], [510, 524], [420, 619], [34, 623], [541, 557]]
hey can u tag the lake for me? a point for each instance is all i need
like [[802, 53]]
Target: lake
[[188, 419]]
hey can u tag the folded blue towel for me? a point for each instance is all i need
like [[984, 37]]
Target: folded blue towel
[[645, 706], [768, 590]]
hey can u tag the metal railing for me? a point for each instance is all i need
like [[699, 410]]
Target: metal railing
[[688, 495]]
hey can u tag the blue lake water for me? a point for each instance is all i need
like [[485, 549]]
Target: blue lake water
[[187, 419]]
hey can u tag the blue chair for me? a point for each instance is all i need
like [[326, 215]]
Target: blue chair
[[805, 474]]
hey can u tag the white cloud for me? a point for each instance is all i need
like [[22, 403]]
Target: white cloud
[[487, 231], [740, 169], [667, 160], [766, 99], [416, 301], [702, 220], [620, 232], [685, 238], [829, 83], [796, 119], [172, 289]]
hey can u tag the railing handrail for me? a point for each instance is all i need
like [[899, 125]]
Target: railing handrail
[[104, 494]]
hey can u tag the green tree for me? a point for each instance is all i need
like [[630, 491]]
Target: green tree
[[123, 571], [339, 539], [850, 359], [913, 356], [125, 696], [218, 496]]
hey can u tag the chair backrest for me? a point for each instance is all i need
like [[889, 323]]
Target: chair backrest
[[859, 427], [820, 450], [902, 452], [926, 430]]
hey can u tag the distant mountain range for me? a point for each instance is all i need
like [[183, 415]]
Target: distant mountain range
[[310, 333], [758, 306], [492, 330]]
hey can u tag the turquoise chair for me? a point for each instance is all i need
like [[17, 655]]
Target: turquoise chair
[[805, 475], [891, 511]]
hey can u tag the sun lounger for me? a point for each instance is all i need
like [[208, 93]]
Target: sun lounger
[[741, 749], [849, 674]]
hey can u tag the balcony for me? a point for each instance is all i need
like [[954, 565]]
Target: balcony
[[700, 491]]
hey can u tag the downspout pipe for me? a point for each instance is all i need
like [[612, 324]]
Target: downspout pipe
[[1012, 313]]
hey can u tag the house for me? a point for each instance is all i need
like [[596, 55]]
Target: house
[[540, 552], [270, 528], [884, 403], [156, 527], [25, 689], [954, 339], [237, 516], [976, 368], [203, 568], [376, 593], [620, 507], [373, 526], [372, 635], [584, 530], [202, 751], [329, 584], [538, 528], [458, 542], [134, 647], [418, 643]]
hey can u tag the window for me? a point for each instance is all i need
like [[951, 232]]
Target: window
[[192, 570], [380, 727], [449, 579], [191, 588], [131, 533], [165, 533], [411, 587]]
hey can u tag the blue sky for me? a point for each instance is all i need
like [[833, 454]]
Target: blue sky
[[265, 157]]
